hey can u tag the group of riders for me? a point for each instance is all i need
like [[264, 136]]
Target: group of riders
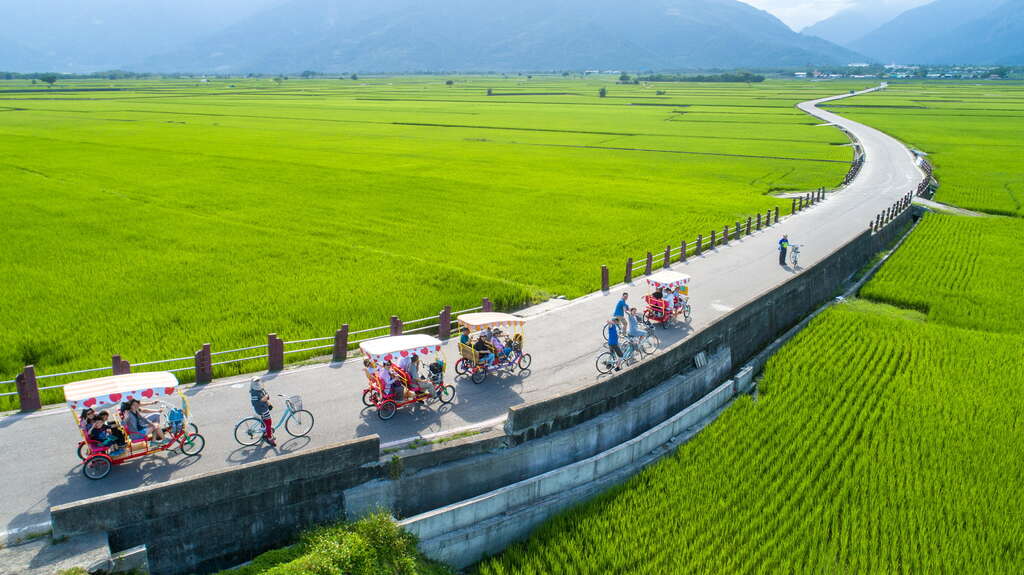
[[135, 421], [399, 377]]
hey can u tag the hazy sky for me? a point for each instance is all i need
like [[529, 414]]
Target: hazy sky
[[799, 14]]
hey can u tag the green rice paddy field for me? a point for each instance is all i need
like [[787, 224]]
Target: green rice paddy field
[[147, 217], [886, 436]]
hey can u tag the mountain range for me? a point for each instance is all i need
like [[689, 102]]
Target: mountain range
[[941, 32], [501, 35]]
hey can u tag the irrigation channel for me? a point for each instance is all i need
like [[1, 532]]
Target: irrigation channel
[[564, 338]]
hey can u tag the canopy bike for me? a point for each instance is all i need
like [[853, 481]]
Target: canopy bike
[[484, 347], [392, 373], [669, 299], [114, 394]]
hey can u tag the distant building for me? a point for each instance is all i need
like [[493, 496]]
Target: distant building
[[800, 74], [858, 65]]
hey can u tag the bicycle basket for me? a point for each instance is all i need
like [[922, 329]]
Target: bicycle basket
[[295, 403]]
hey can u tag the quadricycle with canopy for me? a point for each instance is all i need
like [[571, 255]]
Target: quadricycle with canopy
[[404, 370], [491, 342], [103, 407], [669, 298]]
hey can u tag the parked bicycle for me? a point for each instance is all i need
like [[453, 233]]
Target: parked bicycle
[[296, 421]]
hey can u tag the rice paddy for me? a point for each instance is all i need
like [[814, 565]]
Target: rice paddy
[[145, 218]]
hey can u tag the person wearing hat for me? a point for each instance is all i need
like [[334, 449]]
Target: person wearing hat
[[783, 247], [261, 405]]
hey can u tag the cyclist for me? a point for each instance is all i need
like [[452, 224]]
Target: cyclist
[[613, 343], [633, 319], [619, 315], [783, 246], [261, 405]]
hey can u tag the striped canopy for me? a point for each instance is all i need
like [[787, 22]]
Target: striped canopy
[[668, 278], [478, 321]]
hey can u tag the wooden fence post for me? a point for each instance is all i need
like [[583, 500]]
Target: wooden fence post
[[395, 326], [204, 365], [682, 251], [776, 215], [759, 221], [444, 323], [712, 244], [28, 389], [792, 210], [341, 344], [629, 271], [487, 305], [725, 234], [115, 364], [604, 278], [668, 256], [700, 245], [650, 264], [750, 222], [739, 230], [275, 353]]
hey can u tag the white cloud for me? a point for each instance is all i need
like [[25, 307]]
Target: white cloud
[[798, 14]]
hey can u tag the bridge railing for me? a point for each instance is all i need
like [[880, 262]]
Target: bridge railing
[[32, 392]]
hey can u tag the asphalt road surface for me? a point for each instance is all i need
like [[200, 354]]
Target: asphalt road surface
[[38, 450]]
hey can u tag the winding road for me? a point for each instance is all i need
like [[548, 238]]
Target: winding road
[[563, 337]]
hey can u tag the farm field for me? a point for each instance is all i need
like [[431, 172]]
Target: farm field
[[883, 436], [973, 134], [147, 217]]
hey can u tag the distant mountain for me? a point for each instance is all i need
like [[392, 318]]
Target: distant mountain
[[501, 35], [950, 32], [91, 35], [857, 21]]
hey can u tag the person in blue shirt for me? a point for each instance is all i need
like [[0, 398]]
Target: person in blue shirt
[[261, 405], [783, 246], [619, 315], [633, 318], [613, 343]]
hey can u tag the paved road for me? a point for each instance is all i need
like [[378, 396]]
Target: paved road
[[38, 449]]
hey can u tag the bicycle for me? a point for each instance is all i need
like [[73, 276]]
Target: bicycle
[[296, 421], [606, 360], [645, 345], [794, 254]]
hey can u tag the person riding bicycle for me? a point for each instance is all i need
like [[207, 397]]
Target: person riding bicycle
[[613, 343], [619, 315], [260, 400], [633, 319], [411, 367], [140, 427]]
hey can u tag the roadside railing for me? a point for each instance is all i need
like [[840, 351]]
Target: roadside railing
[[663, 259], [275, 352], [889, 214]]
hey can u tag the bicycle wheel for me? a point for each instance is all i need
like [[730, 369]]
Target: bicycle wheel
[[462, 366], [299, 423], [605, 363], [648, 344], [525, 361], [386, 410], [446, 394], [686, 313], [83, 450], [249, 431], [371, 397], [192, 444], [97, 467], [479, 376], [605, 332]]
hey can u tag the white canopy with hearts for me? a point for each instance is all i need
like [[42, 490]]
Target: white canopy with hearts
[[399, 346], [479, 321], [668, 278], [114, 389]]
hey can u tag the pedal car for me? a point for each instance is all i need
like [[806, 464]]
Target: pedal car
[[488, 348], [658, 309], [388, 364], [110, 394]]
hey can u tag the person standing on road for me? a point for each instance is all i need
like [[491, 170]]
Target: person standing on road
[[619, 315], [783, 247]]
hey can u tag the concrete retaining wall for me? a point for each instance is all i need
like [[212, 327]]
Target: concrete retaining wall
[[441, 485], [466, 532], [219, 519]]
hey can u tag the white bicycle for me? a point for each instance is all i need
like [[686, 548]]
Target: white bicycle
[[794, 254]]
